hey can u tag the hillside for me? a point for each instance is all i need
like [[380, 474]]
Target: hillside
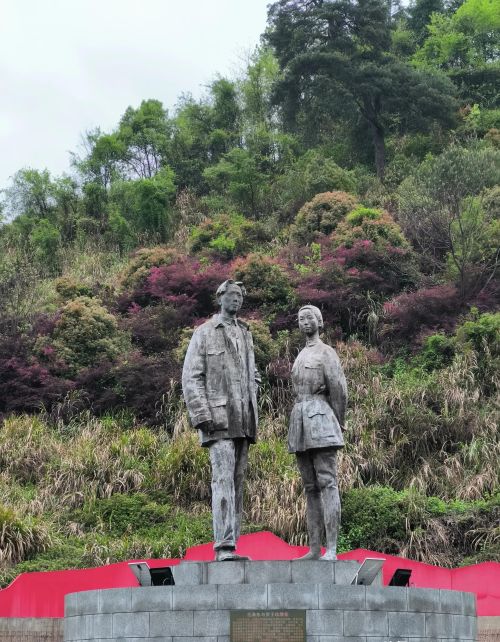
[[387, 218]]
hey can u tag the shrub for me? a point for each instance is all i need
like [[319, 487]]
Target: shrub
[[483, 333], [266, 282], [375, 267], [187, 285], [226, 235], [137, 270], [27, 385], [264, 345], [67, 288], [437, 352], [311, 174], [483, 336], [430, 199], [86, 333], [368, 224], [154, 328], [137, 383], [321, 215], [409, 313], [374, 518]]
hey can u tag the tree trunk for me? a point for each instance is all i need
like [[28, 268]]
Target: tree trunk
[[379, 146]]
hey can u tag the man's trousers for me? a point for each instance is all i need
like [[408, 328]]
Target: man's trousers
[[229, 459]]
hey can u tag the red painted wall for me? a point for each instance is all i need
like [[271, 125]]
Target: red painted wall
[[42, 594]]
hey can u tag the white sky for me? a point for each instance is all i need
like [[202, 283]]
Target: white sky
[[67, 66]]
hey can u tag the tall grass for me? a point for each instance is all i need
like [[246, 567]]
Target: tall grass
[[426, 434]]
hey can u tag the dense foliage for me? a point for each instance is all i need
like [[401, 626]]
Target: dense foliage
[[354, 165]]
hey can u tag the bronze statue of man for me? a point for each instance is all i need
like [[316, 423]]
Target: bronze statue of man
[[219, 382], [315, 432]]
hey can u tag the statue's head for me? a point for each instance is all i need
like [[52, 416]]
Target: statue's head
[[230, 296], [310, 319]]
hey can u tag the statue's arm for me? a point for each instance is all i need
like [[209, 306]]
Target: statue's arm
[[336, 385], [258, 378], [194, 381]]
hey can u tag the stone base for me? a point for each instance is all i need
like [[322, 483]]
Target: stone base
[[197, 608]]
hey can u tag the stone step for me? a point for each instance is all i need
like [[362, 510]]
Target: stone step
[[266, 572]]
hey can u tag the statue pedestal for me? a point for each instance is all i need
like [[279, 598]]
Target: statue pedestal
[[198, 608]]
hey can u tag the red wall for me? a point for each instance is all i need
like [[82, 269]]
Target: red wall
[[42, 594]]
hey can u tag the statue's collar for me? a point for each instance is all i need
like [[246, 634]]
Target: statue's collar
[[218, 322]]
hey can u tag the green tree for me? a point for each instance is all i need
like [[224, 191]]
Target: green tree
[[466, 44], [146, 204], [30, 193], [420, 13], [335, 56], [447, 211], [239, 173], [102, 155], [46, 241], [144, 134]]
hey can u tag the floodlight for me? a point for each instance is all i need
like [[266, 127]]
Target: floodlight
[[368, 571], [401, 577], [147, 576]]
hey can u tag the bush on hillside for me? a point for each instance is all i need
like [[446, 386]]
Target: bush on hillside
[[137, 383], [225, 236], [482, 335], [154, 328], [68, 288], [27, 385], [410, 313], [321, 215], [373, 267], [137, 270], [187, 285], [85, 333], [364, 223], [311, 174], [264, 345], [266, 282]]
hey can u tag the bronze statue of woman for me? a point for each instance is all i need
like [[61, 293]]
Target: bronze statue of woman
[[315, 432]]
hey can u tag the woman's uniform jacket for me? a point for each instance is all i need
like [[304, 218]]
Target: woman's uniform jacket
[[319, 385]]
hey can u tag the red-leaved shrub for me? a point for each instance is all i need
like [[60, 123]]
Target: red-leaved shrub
[[410, 313]]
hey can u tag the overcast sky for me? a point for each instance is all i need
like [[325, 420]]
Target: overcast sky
[[67, 66]]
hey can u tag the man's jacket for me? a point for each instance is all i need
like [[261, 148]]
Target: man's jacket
[[212, 381]]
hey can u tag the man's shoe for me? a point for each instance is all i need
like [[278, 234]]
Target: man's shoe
[[228, 555]]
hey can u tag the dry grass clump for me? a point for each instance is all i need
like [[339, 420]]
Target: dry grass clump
[[432, 431], [27, 446], [98, 461], [274, 497], [183, 467], [20, 538]]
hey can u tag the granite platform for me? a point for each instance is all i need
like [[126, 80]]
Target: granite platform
[[198, 607]]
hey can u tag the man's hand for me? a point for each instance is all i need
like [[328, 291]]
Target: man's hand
[[207, 426]]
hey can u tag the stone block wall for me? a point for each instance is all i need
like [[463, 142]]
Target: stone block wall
[[334, 613], [27, 629]]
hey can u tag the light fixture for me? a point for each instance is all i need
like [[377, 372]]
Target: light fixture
[[147, 576]]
